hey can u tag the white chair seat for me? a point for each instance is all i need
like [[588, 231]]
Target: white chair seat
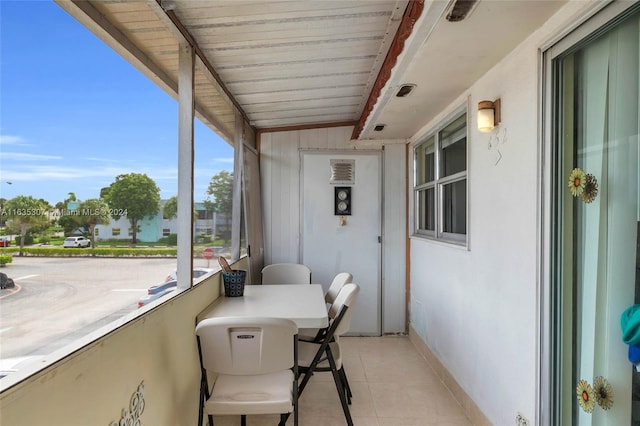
[[263, 394], [307, 333]]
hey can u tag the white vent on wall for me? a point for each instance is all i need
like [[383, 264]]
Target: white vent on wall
[[343, 172]]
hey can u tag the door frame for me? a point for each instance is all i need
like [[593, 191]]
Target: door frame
[[352, 153], [590, 25]]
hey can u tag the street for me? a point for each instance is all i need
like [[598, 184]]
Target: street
[[58, 300]]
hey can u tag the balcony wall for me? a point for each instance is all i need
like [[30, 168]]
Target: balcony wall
[[477, 309], [96, 383]]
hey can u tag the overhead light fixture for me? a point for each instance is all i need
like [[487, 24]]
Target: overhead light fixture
[[168, 5], [461, 10], [405, 90], [488, 115]]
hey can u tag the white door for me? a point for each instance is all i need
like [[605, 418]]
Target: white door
[[330, 246]]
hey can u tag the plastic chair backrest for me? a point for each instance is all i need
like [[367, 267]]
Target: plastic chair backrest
[[346, 297], [246, 346], [286, 273], [336, 285]]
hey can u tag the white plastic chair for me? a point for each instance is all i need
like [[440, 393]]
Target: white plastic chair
[[255, 360], [338, 282], [286, 273], [325, 354], [336, 285]]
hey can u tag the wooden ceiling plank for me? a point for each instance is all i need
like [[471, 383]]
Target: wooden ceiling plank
[[242, 13]]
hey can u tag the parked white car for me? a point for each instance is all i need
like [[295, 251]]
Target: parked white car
[[197, 273], [81, 242]]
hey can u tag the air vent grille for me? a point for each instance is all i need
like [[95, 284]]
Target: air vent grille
[[343, 172]]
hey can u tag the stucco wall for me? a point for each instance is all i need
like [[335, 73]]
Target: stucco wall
[[477, 308]]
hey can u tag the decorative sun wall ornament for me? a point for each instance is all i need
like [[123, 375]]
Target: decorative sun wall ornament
[[603, 392], [590, 188], [586, 398], [577, 181], [131, 417]]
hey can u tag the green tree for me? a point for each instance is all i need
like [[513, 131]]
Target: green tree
[[104, 193], [220, 193], [170, 209], [3, 202], [25, 213], [68, 222], [135, 196], [93, 212]]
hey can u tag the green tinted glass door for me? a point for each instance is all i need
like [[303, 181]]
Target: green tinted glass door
[[597, 216]]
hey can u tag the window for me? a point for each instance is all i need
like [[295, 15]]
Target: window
[[213, 160], [205, 214], [166, 232], [440, 183], [96, 232]]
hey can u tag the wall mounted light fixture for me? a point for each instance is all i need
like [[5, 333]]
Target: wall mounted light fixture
[[488, 115]]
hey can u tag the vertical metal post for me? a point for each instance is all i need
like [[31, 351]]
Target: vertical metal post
[[185, 164]]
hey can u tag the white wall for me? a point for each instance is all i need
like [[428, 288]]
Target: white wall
[[477, 309], [280, 178]]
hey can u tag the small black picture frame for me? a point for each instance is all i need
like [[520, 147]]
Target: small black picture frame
[[342, 201]]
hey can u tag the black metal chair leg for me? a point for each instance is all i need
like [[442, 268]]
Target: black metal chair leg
[[340, 387], [201, 408], [283, 420], [346, 384], [243, 420]]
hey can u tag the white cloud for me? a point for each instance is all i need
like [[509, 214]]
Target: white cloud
[[11, 140], [29, 157], [228, 160], [31, 173]]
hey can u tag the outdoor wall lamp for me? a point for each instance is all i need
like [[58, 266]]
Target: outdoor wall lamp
[[488, 115]]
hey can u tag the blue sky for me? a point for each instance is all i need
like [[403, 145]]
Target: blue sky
[[74, 114]]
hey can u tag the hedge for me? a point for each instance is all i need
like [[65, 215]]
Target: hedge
[[5, 258], [95, 252]]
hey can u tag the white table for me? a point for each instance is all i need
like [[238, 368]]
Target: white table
[[302, 303]]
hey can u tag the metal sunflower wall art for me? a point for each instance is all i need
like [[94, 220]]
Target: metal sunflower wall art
[[585, 395], [577, 182], [590, 189], [583, 185], [603, 392]]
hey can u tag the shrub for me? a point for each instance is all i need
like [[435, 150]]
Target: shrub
[[5, 258], [28, 239], [95, 252]]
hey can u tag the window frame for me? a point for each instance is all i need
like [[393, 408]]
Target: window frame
[[439, 182]]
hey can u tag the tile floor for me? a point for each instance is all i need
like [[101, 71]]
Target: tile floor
[[392, 385]]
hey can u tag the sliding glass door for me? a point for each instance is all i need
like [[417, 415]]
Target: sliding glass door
[[595, 221]]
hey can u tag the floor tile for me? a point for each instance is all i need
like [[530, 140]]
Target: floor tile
[[392, 385]]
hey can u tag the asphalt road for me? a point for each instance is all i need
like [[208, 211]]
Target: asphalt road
[[57, 300]]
